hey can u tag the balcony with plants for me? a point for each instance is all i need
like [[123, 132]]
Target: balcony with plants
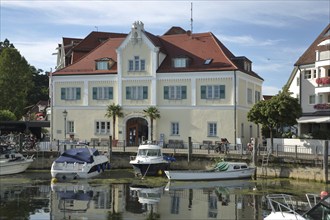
[[322, 106], [323, 85], [323, 81]]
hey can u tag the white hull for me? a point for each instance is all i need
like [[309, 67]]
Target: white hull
[[13, 167], [209, 175], [68, 171], [222, 171]]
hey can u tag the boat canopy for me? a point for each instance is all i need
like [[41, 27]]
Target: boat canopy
[[78, 155]]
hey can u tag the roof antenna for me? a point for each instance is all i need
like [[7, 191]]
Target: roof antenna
[[97, 29], [191, 17]]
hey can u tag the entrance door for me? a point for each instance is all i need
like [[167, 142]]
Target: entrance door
[[136, 131]]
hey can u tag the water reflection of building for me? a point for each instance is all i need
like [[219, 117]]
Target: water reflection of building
[[205, 203], [71, 200]]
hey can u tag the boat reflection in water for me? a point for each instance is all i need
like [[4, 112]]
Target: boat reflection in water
[[30, 195], [148, 197], [71, 200]]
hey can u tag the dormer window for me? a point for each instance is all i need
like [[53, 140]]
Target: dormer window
[[104, 64], [247, 66], [180, 62]]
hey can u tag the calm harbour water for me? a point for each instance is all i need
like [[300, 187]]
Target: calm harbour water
[[118, 195]]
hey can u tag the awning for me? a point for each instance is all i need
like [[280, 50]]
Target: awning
[[314, 119]]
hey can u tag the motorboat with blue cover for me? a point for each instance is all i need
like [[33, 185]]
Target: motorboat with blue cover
[[150, 161], [79, 163]]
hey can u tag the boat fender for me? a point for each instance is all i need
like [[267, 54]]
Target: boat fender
[[108, 166], [98, 168], [103, 167]]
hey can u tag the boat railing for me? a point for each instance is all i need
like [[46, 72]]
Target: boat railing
[[312, 199], [282, 203]]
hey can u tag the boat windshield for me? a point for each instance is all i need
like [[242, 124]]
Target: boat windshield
[[321, 211], [149, 152]]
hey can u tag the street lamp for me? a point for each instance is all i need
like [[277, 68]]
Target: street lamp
[[65, 113]]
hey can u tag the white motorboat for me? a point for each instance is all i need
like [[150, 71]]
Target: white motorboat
[[221, 171], [149, 160], [79, 163], [283, 208], [12, 162]]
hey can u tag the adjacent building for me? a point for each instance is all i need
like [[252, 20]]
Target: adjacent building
[[201, 89], [310, 83]]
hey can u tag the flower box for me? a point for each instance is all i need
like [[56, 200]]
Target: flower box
[[322, 106]]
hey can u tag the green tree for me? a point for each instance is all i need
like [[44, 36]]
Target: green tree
[[114, 111], [281, 110], [40, 88], [15, 80], [6, 115], [153, 113]]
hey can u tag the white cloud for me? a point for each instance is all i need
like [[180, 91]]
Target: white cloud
[[270, 90]]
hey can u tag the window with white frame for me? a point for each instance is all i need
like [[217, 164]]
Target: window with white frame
[[314, 73], [70, 127], [180, 62], [257, 96], [102, 65], [213, 92], [175, 92], [102, 93], [307, 74], [136, 92], [71, 93], [102, 127], [175, 128], [298, 81], [312, 99], [137, 64], [249, 96], [212, 129]]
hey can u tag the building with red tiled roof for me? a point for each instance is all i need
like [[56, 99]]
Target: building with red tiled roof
[[310, 83], [201, 89]]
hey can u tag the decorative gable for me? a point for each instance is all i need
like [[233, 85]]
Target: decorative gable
[[136, 32]]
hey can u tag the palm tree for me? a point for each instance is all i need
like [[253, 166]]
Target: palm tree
[[153, 113], [114, 111]]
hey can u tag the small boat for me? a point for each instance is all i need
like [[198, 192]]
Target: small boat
[[12, 162], [283, 208], [149, 160], [79, 163], [221, 171]]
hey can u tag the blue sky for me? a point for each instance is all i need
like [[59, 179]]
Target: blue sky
[[272, 34]]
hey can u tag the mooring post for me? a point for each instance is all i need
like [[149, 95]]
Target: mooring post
[[189, 149], [325, 160], [110, 148]]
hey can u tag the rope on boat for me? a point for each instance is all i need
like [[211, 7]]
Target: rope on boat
[[146, 171]]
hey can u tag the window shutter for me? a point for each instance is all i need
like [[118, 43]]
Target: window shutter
[[222, 91], [78, 94], [183, 92], [94, 93], [166, 92], [128, 92], [203, 92], [63, 93], [110, 92], [145, 92]]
